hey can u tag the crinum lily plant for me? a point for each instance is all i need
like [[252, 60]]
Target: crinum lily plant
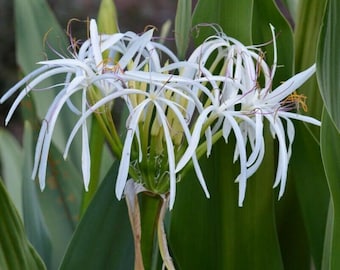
[[176, 109]]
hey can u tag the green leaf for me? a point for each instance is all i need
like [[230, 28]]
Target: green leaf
[[35, 225], [328, 61], [330, 145], [103, 238], [230, 237], [107, 17], [235, 18], [149, 213], [308, 25], [294, 245], [11, 161], [308, 177], [15, 250], [182, 27]]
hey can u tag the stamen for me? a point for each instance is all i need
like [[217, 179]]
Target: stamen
[[296, 100]]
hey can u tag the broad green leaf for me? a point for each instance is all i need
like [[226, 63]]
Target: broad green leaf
[[149, 212], [309, 180], [182, 27], [230, 237], [235, 18], [10, 162], [330, 145], [15, 250], [308, 25], [306, 165], [328, 61], [103, 238], [107, 17], [35, 225], [291, 230], [327, 251]]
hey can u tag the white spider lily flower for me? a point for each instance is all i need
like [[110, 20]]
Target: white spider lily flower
[[86, 71], [274, 106], [241, 105], [151, 115]]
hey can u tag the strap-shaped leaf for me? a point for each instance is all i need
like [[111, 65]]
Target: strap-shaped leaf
[[103, 238], [328, 61], [330, 145], [15, 250], [235, 18], [182, 26]]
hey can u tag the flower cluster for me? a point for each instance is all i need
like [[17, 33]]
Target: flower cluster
[[174, 107]]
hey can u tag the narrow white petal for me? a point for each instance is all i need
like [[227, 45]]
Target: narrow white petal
[[138, 44], [30, 87], [196, 135], [69, 63], [109, 98], [124, 164], [188, 137], [282, 166], [50, 120], [171, 154], [126, 153], [240, 144], [85, 159], [22, 82], [95, 42], [37, 155], [259, 141], [290, 135], [290, 85], [300, 117]]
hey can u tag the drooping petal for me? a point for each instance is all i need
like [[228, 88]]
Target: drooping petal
[[85, 159], [124, 165], [195, 138], [170, 153]]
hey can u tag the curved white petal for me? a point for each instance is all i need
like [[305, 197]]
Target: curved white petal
[[195, 138], [290, 85], [124, 165]]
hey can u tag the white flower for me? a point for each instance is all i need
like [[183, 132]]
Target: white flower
[[163, 95], [155, 95], [241, 104], [85, 70]]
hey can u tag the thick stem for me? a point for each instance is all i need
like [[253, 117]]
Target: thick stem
[[150, 206]]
